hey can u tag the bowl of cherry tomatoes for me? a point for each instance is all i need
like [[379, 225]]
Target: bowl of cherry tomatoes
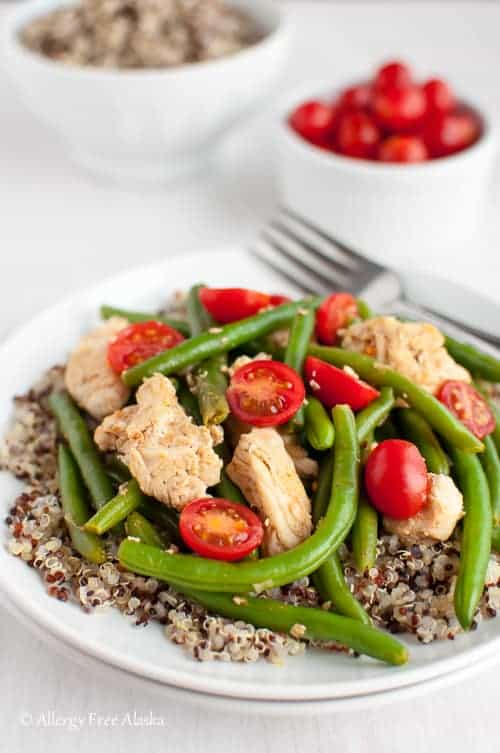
[[395, 167]]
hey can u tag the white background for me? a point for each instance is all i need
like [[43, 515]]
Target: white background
[[59, 231]]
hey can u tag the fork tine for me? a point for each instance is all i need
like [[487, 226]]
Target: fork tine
[[289, 269], [325, 272], [326, 262]]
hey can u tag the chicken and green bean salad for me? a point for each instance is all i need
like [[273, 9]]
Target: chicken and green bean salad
[[260, 475]]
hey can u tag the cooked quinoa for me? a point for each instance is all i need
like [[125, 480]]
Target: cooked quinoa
[[140, 33], [409, 590]]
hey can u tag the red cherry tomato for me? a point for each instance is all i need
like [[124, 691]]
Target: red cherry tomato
[[438, 95], [222, 530], [230, 304], [393, 75], [138, 342], [399, 109], [355, 97], [333, 386], [403, 149], [396, 479], [265, 393], [357, 135], [469, 406], [314, 121], [334, 314], [451, 132]]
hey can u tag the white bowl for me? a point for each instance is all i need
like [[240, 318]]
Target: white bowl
[[109, 637], [148, 124], [406, 216]]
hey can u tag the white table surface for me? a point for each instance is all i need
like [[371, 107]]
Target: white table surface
[[60, 231]]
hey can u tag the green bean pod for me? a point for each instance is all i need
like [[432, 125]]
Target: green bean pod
[[364, 536], [319, 429], [296, 350], [139, 527], [116, 510], [491, 466], [227, 490], [495, 434], [387, 430], [211, 575], [162, 516], [479, 364], [311, 623], [189, 402], [73, 427], [137, 316], [209, 344], [435, 413], [75, 508], [330, 583], [415, 429], [476, 534], [374, 414], [495, 539], [199, 319], [323, 490], [117, 470]]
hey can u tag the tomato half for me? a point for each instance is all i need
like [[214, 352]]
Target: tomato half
[[228, 305], [333, 386], [335, 313], [396, 478], [468, 406], [138, 342], [220, 529], [265, 393]]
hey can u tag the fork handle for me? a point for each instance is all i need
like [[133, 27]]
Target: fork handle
[[413, 311]]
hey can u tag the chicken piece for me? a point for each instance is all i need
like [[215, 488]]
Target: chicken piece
[[414, 349], [438, 518], [89, 378], [266, 475], [172, 459]]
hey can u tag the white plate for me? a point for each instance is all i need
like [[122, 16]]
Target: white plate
[[145, 652]]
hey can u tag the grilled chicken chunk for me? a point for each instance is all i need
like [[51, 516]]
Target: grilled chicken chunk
[[89, 378], [414, 349], [171, 458], [438, 518], [266, 475]]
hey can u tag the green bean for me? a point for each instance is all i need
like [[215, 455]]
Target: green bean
[[374, 414], [364, 309], [227, 490], [415, 429], [139, 527], [189, 402], [117, 470], [116, 510], [316, 623], [491, 466], [387, 430], [296, 350], [75, 508], [210, 344], [323, 490], [136, 316], [495, 434], [199, 319], [480, 364], [210, 389], [495, 539], [211, 575], [319, 429], [476, 534], [364, 536], [162, 516], [73, 427], [435, 413], [330, 583]]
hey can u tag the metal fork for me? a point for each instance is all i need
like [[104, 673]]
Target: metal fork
[[316, 263]]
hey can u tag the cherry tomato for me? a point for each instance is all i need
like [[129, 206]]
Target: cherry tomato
[[403, 149], [314, 121], [399, 109], [355, 97], [393, 75], [439, 96], [357, 135], [396, 479], [230, 304], [333, 386], [334, 314], [468, 406], [222, 530], [138, 342], [265, 393], [451, 132]]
